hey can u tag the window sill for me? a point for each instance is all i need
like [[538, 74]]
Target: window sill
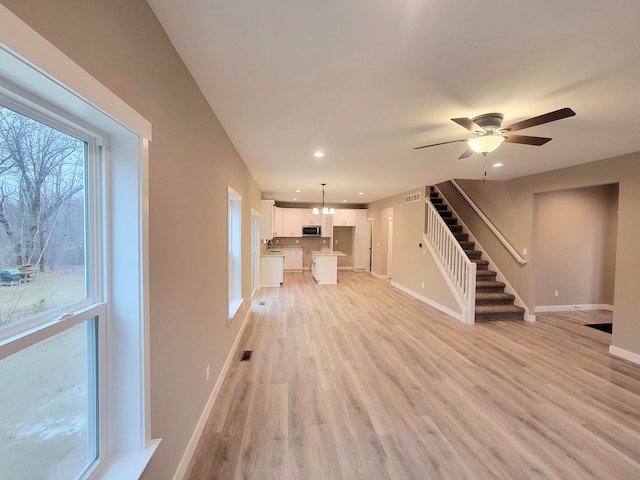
[[234, 306], [126, 465]]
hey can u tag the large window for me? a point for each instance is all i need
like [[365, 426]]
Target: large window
[[74, 348], [234, 245], [51, 299]]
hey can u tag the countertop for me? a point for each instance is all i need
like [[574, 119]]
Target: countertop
[[279, 250], [272, 254], [328, 253]]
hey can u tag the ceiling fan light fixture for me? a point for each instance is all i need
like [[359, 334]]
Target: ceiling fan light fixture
[[486, 143]]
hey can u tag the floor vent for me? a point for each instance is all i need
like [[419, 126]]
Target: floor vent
[[261, 303], [414, 197], [246, 356]]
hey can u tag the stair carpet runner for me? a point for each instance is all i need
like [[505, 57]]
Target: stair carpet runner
[[492, 303]]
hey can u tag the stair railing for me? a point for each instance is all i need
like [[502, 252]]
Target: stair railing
[[459, 271], [489, 224]]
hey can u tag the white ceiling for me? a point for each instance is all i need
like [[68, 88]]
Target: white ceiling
[[368, 80]]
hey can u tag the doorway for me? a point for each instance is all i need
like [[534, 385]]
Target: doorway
[[389, 247], [255, 251], [575, 234]]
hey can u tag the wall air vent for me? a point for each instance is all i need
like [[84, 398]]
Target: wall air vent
[[414, 197]]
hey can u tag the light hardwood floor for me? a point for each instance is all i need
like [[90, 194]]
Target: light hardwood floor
[[361, 381]]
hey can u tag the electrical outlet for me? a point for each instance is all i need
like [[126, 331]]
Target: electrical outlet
[[424, 252], [207, 372], [422, 284], [277, 241], [556, 293], [524, 252], [297, 241], [336, 242]]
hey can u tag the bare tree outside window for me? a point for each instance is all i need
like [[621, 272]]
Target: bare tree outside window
[[42, 220]]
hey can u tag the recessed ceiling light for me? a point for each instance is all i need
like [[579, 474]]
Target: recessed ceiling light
[[295, 199], [344, 201], [497, 164], [318, 154], [298, 191], [360, 193]]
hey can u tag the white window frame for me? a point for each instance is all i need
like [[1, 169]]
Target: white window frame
[[234, 252], [35, 71]]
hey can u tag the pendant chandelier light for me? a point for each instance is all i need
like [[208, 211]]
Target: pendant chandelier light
[[324, 209]]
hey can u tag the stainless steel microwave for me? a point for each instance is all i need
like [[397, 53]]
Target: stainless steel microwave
[[311, 231]]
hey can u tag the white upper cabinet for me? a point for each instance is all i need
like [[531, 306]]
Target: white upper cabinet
[[291, 222], [308, 218], [344, 218], [267, 220], [277, 222], [288, 222]]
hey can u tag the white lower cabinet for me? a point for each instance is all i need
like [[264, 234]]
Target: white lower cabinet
[[324, 269], [292, 259], [271, 270]]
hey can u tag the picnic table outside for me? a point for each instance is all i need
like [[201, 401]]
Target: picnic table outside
[[27, 272]]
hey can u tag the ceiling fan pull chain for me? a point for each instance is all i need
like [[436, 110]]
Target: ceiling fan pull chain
[[485, 167]]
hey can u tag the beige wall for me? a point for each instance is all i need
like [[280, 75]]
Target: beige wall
[[510, 205], [574, 246], [343, 242], [191, 162], [412, 264]]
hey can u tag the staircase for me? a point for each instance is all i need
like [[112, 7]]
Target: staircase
[[492, 303]]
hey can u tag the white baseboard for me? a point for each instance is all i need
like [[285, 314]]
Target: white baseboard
[[428, 301], [568, 308], [378, 276], [195, 436], [626, 354]]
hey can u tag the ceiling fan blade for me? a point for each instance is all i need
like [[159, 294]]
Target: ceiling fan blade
[[441, 143], [467, 153], [539, 120], [469, 124], [525, 139]]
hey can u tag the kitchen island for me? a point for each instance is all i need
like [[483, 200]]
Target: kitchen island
[[324, 266], [271, 269]]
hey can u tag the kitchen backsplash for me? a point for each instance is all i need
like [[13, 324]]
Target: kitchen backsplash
[[308, 244]]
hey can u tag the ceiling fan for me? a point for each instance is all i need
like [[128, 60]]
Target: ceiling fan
[[489, 134]]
